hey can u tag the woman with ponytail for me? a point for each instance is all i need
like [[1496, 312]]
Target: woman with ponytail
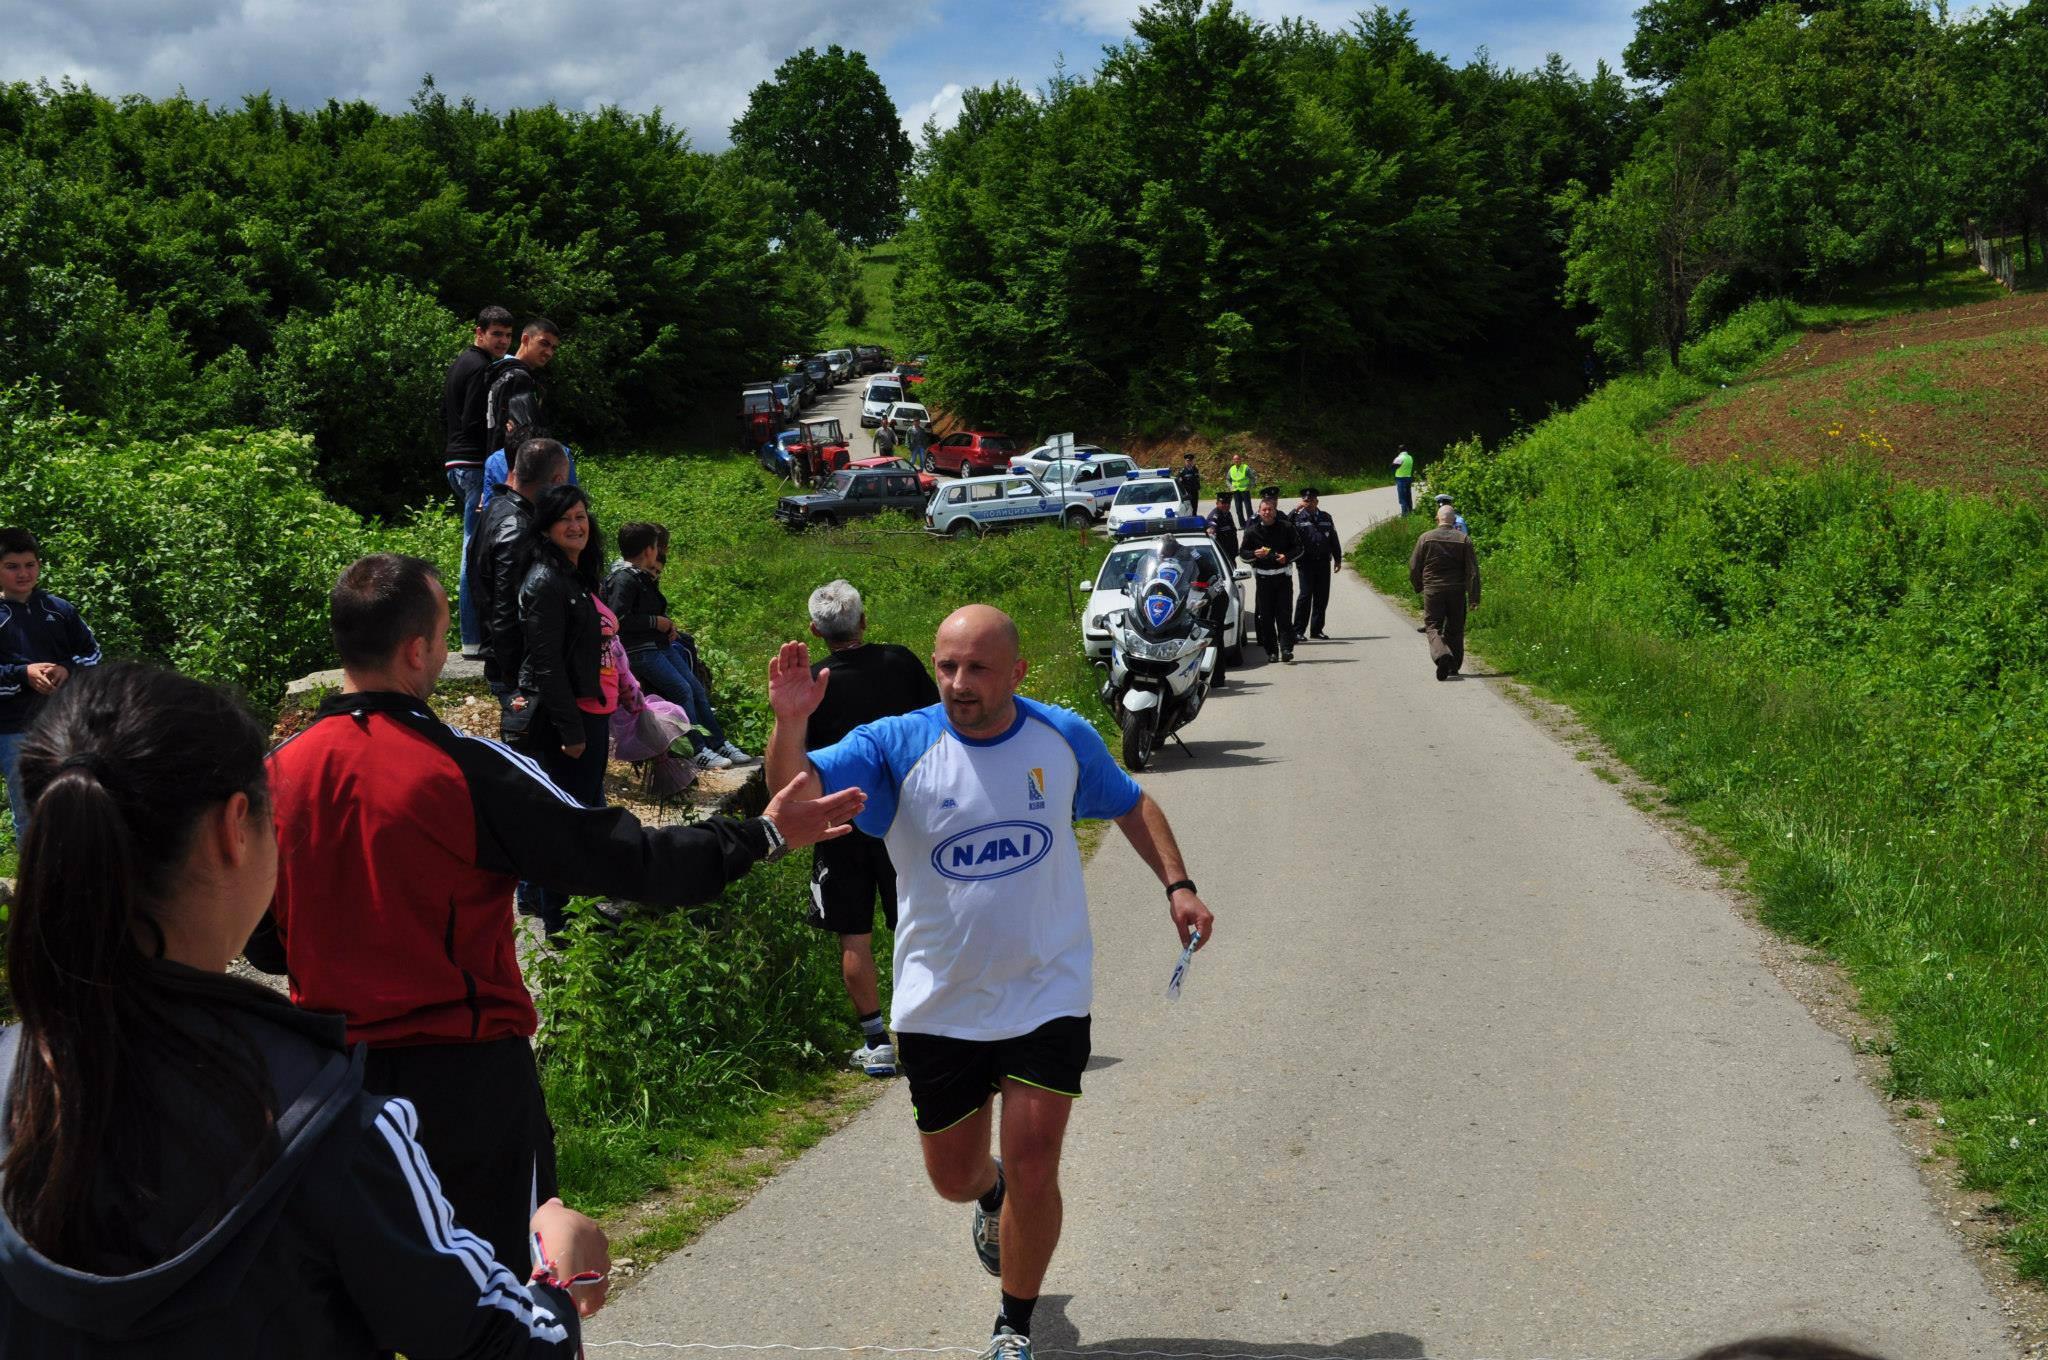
[[188, 1164]]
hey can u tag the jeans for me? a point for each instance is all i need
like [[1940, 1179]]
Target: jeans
[[468, 484], [581, 777], [1404, 488], [667, 671], [10, 763], [1241, 505]]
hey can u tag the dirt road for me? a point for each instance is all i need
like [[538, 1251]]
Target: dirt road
[[1480, 1065]]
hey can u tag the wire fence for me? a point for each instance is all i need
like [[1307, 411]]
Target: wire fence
[[1999, 260]]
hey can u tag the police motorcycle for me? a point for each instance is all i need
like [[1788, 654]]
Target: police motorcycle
[[1165, 652]]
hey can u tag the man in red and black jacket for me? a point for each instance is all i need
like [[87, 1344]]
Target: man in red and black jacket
[[399, 842]]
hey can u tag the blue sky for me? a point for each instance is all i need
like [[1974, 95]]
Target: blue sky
[[696, 59]]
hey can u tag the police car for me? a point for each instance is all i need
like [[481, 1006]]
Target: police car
[[1147, 501], [975, 505], [1106, 593], [1097, 471]]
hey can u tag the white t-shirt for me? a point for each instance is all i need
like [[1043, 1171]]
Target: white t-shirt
[[992, 935]]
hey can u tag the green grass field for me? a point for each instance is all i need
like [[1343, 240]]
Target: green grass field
[[877, 283]]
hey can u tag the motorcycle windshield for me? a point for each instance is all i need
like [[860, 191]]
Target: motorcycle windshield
[[1159, 592]]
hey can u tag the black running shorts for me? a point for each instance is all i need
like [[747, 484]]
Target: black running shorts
[[847, 876], [952, 1078]]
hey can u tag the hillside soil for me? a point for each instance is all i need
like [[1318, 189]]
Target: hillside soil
[[1949, 397]]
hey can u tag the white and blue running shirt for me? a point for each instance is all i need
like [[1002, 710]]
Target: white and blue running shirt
[[992, 935]]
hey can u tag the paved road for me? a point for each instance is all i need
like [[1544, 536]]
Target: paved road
[[1480, 1066]]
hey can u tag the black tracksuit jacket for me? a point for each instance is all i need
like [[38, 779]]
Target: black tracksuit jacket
[[343, 1248]]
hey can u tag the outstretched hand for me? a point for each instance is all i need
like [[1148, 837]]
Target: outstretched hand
[[793, 692], [804, 819]]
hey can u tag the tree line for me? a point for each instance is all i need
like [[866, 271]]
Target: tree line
[[171, 267], [1235, 220]]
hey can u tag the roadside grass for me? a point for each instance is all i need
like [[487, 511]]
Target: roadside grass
[[877, 282], [1955, 282], [1840, 676], [675, 1042]]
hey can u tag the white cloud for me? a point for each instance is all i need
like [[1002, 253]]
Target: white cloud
[[944, 106], [698, 60]]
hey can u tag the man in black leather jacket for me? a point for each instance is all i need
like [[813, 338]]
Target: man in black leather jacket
[[501, 553]]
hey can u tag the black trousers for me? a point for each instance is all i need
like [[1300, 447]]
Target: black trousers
[[1443, 619], [581, 777], [1274, 597], [1241, 505], [485, 1128], [1314, 600]]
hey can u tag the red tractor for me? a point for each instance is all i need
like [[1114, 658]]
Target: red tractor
[[820, 448], [760, 416]]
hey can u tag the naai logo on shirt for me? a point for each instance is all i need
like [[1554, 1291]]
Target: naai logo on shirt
[[995, 850], [1034, 788]]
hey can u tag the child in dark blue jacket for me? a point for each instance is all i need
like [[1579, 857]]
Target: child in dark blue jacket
[[43, 643]]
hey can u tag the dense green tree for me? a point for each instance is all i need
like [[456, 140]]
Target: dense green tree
[[825, 125]]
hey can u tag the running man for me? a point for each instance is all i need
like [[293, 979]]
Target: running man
[[976, 798]]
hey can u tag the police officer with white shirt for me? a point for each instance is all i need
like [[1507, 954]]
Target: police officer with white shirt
[[976, 798]]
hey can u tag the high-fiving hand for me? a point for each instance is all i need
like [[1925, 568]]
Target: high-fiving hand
[[793, 692]]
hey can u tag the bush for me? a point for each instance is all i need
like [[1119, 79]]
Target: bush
[[364, 379], [212, 553]]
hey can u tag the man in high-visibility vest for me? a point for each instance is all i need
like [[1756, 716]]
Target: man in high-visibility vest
[[1238, 477], [1404, 480]]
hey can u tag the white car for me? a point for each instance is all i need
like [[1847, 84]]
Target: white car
[[1143, 499], [881, 394], [975, 505], [1107, 594], [842, 364], [1096, 471], [901, 415]]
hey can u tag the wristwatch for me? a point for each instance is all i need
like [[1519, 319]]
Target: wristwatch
[[777, 846], [1175, 887]]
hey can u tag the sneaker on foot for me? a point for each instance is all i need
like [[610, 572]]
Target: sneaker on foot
[[708, 759], [1007, 1345], [988, 1243], [877, 1060], [735, 754]]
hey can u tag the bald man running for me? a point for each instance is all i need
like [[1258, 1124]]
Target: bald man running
[[976, 798]]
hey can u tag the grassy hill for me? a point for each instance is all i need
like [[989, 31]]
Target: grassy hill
[[1828, 654]]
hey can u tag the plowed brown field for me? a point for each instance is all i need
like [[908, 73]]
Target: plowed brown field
[[1957, 397]]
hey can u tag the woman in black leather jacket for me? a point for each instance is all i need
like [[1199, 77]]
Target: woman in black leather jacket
[[189, 1165]]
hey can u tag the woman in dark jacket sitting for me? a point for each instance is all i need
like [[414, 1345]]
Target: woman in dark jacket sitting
[[189, 1165]]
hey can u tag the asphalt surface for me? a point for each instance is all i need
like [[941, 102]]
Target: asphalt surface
[[1479, 1065]]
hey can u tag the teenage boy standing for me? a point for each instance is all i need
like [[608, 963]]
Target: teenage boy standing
[[43, 642]]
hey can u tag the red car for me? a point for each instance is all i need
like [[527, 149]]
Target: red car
[[973, 453], [926, 482]]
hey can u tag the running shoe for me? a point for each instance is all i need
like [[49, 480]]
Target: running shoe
[[734, 754], [708, 759], [988, 1245], [877, 1060], [1007, 1345]]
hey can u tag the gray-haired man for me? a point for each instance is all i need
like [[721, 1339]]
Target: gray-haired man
[[870, 680]]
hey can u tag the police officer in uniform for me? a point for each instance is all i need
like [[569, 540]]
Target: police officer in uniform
[[1271, 546], [1321, 552]]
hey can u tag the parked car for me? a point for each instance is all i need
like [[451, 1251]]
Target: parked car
[[842, 364], [971, 453], [881, 394], [1107, 594], [1096, 471], [911, 373], [977, 505], [903, 414], [1149, 501], [925, 480], [773, 454], [820, 373], [870, 358], [800, 394], [849, 493]]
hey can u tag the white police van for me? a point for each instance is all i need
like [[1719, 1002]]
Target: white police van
[[978, 504]]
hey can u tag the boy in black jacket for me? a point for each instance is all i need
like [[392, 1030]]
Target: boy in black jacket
[[663, 657], [43, 642]]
